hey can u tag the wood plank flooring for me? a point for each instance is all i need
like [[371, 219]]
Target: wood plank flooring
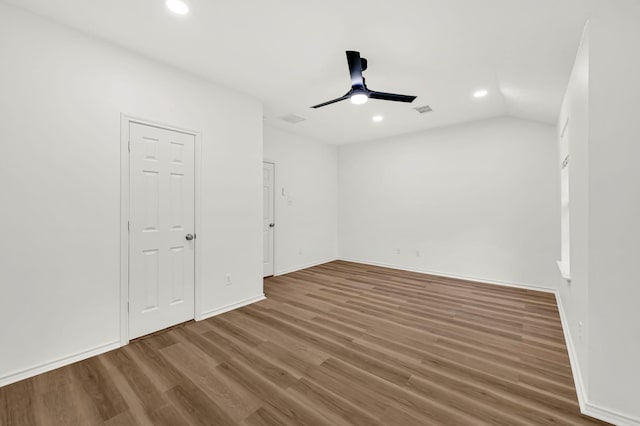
[[336, 344]]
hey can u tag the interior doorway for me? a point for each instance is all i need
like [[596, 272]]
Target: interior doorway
[[268, 218], [159, 247]]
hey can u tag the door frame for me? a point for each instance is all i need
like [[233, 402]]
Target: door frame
[[125, 121], [275, 212]]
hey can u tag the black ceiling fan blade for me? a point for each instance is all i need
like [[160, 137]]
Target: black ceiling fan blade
[[391, 97], [355, 68], [333, 101]]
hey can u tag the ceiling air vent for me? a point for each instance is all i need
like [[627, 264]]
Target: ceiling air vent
[[292, 118], [423, 109]]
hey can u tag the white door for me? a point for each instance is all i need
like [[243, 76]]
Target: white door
[[267, 218], [161, 228]]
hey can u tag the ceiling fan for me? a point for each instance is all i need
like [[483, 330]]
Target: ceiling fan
[[359, 92]]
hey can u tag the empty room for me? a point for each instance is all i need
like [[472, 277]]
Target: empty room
[[320, 213]]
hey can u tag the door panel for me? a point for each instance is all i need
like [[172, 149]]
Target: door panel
[[151, 279], [161, 260], [268, 182]]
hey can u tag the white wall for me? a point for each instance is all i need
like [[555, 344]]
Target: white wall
[[614, 201], [574, 294], [306, 216], [61, 98], [601, 104], [478, 200]]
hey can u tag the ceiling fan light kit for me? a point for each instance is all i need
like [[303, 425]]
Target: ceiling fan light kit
[[358, 98], [359, 93]]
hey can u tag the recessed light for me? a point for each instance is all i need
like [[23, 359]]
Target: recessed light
[[377, 118], [480, 93], [178, 7]]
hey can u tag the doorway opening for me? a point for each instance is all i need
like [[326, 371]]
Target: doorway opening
[[268, 218]]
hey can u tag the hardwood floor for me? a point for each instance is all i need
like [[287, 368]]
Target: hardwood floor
[[337, 344]]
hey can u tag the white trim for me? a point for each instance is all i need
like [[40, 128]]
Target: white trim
[[564, 269], [61, 362], [125, 121], [609, 416], [573, 355], [455, 276], [275, 216], [305, 266], [587, 408], [231, 307], [198, 291], [124, 229]]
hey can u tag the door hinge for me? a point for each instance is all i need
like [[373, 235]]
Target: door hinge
[[129, 146], [128, 307], [128, 226]]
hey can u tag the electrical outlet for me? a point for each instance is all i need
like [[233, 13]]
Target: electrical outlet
[[397, 251], [417, 253], [228, 280], [580, 330]]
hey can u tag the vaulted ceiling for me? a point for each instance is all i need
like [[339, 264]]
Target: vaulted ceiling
[[290, 54]]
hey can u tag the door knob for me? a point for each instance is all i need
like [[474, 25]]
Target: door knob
[[190, 237], [271, 225]]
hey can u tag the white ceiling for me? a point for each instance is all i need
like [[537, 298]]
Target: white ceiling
[[290, 54]]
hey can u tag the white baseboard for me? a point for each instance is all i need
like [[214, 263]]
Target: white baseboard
[[609, 416], [587, 408], [61, 362], [455, 276], [573, 355], [305, 266], [230, 307]]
